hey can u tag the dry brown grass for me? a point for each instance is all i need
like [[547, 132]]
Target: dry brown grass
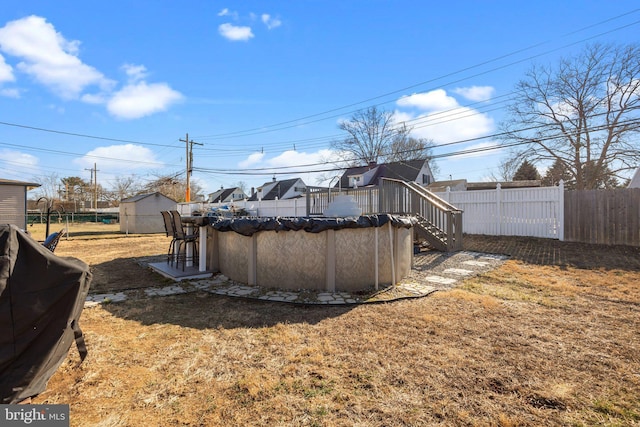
[[523, 345]]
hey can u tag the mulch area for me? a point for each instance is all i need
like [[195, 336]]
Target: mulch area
[[554, 252]]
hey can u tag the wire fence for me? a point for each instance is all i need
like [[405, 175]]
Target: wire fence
[[56, 217]]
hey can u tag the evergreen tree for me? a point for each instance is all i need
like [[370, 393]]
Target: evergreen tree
[[558, 172], [526, 172]]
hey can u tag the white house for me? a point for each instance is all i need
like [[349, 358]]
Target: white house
[[417, 171], [141, 214], [280, 190], [13, 202], [227, 195]]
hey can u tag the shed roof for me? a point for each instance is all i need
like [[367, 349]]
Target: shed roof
[[139, 197], [22, 183]]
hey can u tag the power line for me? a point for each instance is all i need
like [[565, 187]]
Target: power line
[[296, 122], [274, 170]]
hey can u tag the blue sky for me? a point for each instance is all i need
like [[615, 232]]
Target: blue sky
[[264, 84]]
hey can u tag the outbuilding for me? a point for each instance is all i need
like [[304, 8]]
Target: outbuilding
[[13, 202], [141, 214]]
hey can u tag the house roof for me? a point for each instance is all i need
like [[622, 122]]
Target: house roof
[[503, 184], [462, 184], [22, 183], [278, 189], [139, 197], [404, 171], [441, 186], [222, 194]]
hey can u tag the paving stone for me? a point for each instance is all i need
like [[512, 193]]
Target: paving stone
[[221, 285], [440, 280], [476, 263], [458, 271]]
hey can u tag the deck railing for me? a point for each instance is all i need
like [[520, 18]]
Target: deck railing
[[439, 222]]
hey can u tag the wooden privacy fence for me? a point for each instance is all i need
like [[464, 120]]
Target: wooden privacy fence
[[609, 217]]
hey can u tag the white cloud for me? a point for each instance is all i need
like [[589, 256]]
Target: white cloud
[[53, 61], [235, 33], [254, 158], [475, 93], [94, 98], [16, 159], [120, 158], [441, 119], [227, 12], [10, 93], [48, 57], [435, 100], [270, 22], [135, 72], [6, 72], [141, 99]]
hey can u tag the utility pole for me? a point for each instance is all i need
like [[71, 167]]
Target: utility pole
[[95, 188], [189, 146], [94, 182]]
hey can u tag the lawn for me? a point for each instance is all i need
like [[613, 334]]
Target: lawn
[[527, 344]]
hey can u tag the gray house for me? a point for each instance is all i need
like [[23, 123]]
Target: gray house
[[13, 202], [411, 170], [141, 214], [227, 195], [280, 190]]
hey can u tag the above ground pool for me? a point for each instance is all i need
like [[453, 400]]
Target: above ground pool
[[332, 254]]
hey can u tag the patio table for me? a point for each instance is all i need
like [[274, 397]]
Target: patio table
[[201, 222]]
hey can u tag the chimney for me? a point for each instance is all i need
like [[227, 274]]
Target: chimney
[[372, 164], [253, 191]]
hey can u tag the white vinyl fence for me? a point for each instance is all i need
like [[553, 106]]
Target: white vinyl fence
[[264, 208], [534, 212]]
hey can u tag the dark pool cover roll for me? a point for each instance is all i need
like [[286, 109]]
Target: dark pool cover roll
[[249, 226], [41, 299]]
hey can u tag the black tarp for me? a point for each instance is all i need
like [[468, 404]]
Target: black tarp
[[247, 226], [41, 299]]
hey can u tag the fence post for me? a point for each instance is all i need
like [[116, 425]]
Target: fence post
[[380, 195], [561, 211], [498, 210]]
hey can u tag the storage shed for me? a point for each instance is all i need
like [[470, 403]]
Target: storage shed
[[13, 202], [141, 214]]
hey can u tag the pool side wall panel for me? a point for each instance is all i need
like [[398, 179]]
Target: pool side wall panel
[[298, 259]]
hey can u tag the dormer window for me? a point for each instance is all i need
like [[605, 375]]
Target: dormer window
[[356, 180]]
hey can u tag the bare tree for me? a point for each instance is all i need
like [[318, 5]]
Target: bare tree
[[124, 187], [50, 186], [405, 149], [173, 186], [370, 134], [505, 170], [583, 113]]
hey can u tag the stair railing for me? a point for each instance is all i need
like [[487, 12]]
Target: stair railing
[[436, 216]]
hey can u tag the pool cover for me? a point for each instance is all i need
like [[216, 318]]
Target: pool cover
[[249, 226], [41, 299]]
